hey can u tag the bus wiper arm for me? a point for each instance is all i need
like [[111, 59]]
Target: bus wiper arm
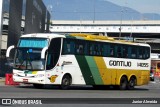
[[29, 59]]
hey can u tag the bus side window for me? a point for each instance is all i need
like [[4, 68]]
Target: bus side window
[[68, 47], [140, 53], [86, 48], [125, 52], [91, 51], [79, 47], [72, 46], [111, 51], [95, 49], [147, 53], [101, 49], [119, 51], [133, 52], [106, 50], [64, 46], [144, 53]]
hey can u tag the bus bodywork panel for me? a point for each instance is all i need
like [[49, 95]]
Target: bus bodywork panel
[[66, 65], [91, 70], [84, 70]]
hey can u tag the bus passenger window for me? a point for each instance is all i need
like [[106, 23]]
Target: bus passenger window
[[140, 55], [133, 53], [68, 48], [90, 49], [79, 49], [119, 53], [125, 52], [101, 50], [147, 54], [111, 51], [96, 50], [105, 50]]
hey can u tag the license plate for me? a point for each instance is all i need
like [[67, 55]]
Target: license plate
[[25, 80]]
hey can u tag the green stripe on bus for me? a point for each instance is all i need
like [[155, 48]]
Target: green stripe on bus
[[72, 37], [85, 70], [94, 70]]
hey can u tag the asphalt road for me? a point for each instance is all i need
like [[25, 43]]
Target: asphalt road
[[150, 91]]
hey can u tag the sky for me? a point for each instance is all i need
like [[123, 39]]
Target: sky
[[143, 6]]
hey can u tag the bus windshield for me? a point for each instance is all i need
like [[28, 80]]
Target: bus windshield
[[28, 59], [28, 54]]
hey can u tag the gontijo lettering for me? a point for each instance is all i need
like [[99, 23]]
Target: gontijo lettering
[[120, 63]]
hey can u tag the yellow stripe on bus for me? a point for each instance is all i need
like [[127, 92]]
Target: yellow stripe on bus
[[105, 74], [34, 72]]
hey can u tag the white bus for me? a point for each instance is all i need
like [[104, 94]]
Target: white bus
[[80, 59]]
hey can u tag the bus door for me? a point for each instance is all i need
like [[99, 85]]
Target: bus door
[[53, 53]]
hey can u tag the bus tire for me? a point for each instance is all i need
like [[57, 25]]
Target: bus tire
[[38, 86], [66, 82], [123, 83], [131, 83]]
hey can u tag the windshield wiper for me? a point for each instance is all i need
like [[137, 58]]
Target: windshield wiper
[[29, 59]]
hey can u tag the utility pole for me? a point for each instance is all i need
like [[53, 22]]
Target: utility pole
[[1, 23], [94, 11], [120, 29]]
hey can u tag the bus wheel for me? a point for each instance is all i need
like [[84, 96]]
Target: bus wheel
[[131, 83], [123, 83], [39, 86], [66, 82]]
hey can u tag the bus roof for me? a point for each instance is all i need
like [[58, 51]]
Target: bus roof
[[103, 39], [43, 35], [83, 37]]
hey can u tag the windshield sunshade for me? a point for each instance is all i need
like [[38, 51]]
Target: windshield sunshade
[[33, 42]]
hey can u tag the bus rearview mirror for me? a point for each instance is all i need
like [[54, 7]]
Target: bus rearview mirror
[[43, 52], [8, 50]]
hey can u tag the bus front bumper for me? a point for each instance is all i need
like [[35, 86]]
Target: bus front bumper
[[28, 80]]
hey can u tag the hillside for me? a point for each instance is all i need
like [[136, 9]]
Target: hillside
[[95, 10]]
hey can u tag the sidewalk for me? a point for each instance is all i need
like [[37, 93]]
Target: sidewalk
[[2, 81]]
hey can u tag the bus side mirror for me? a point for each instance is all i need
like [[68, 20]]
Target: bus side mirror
[[8, 51], [43, 52]]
